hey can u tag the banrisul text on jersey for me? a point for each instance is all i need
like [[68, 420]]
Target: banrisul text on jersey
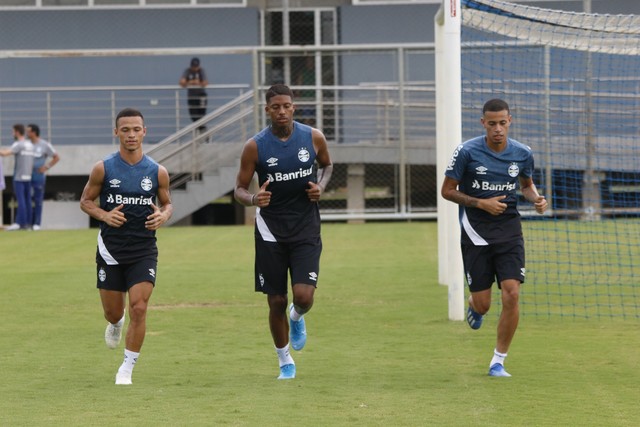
[[289, 166]]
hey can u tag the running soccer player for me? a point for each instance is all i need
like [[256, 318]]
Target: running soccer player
[[287, 228], [482, 177], [127, 183]]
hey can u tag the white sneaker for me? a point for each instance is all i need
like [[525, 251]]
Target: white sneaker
[[36, 227], [123, 378], [113, 334], [13, 227]]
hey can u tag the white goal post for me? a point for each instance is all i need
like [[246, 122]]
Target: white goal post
[[448, 136]]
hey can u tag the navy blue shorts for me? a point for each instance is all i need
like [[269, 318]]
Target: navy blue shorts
[[501, 261], [122, 277], [275, 260]]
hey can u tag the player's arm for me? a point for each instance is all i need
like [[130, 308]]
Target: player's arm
[[55, 158], [248, 162], [15, 148], [450, 192], [183, 80], [161, 214], [203, 78], [91, 192], [530, 193], [325, 166]]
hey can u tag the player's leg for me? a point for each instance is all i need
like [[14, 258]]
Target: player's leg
[[201, 112], [193, 103], [480, 275], [113, 304], [139, 296], [112, 288], [23, 198], [305, 268], [28, 215], [140, 279], [279, 327], [278, 324], [507, 325], [510, 314], [302, 298], [38, 199], [509, 261], [271, 265]]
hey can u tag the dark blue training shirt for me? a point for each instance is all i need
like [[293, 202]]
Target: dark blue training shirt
[[483, 173], [135, 187], [289, 166]]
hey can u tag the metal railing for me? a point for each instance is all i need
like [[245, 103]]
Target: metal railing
[[209, 143], [367, 100], [85, 115]]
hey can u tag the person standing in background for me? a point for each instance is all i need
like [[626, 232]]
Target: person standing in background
[[195, 80], [42, 150], [22, 149]]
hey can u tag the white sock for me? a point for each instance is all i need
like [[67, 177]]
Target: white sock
[[130, 359], [120, 322], [294, 315], [497, 358], [284, 357]]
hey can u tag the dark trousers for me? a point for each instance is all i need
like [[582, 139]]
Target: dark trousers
[[38, 199], [197, 108], [23, 196]]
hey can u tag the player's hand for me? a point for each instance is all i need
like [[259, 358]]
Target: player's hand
[[115, 217], [540, 204], [494, 205], [314, 191], [263, 196], [156, 219]]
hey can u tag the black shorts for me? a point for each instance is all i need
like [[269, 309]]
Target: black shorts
[[122, 277], [501, 261], [274, 260]]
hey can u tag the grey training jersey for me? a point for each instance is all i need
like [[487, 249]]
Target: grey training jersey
[[483, 173], [23, 151]]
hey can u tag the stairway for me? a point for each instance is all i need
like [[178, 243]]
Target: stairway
[[200, 193], [203, 164]]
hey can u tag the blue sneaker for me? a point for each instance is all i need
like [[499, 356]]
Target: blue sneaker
[[287, 372], [497, 370], [474, 319], [297, 332]]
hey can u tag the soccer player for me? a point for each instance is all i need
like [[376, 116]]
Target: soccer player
[[287, 227], [482, 177], [127, 184]]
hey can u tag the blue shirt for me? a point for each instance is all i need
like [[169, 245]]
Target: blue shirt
[[135, 187], [483, 173], [289, 166]]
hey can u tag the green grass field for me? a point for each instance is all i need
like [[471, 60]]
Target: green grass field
[[380, 352]]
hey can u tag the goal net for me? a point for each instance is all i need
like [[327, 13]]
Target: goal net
[[572, 81]]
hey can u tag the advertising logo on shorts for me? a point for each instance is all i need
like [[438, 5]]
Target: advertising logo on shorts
[[514, 170], [146, 183], [303, 155], [102, 275]]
